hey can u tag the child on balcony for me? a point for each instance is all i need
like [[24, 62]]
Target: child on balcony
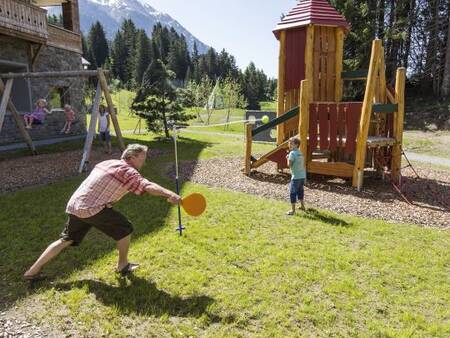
[[38, 115]]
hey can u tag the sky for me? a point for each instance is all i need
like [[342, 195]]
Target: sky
[[242, 27]]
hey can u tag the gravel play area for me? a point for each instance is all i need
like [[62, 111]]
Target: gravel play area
[[18, 173], [430, 193]]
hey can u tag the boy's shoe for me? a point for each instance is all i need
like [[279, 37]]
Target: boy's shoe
[[290, 213]]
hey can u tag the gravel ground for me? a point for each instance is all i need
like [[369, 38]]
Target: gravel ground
[[18, 173], [430, 194]]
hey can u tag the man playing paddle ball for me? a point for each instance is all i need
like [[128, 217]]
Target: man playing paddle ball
[[91, 206]]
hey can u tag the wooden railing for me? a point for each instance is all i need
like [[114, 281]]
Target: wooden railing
[[23, 20], [62, 38]]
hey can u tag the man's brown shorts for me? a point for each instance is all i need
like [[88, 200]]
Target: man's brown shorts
[[110, 222]]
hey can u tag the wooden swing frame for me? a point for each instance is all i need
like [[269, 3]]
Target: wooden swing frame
[[102, 87]]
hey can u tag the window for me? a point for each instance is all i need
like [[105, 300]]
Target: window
[[58, 97]]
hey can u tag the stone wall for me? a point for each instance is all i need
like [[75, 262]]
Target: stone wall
[[50, 59]]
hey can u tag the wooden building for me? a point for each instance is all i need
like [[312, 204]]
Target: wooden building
[[28, 43]]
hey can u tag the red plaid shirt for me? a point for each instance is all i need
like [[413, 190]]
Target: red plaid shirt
[[108, 182]]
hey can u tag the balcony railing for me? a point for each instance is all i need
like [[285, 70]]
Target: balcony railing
[[23, 20], [63, 38]]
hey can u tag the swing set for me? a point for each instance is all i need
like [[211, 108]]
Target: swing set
[[102, 88]]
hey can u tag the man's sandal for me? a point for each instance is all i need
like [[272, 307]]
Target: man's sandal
[[130, 267], [34, 278]]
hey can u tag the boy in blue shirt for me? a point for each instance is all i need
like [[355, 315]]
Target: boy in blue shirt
[[296, 163]]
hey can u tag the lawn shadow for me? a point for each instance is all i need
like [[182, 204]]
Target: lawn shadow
[[26, 234], [316, 215], [136, 295]]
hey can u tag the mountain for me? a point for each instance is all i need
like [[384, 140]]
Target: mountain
[[111, 13]]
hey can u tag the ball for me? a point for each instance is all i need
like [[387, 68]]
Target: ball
[[265, 119]]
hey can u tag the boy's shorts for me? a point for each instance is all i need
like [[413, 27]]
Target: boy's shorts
[[297, 190], [105, 136], [112, 223]]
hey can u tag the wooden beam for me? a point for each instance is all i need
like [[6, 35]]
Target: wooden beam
[[338, 169], [5, 100], [281, 84], [35, 56], [91, 131], [112, 112], [248, 148], [19, 122], [309, 58], [303, 126], [383, 87], [398, 123], [363, 130], [67, 73], [339, 63]]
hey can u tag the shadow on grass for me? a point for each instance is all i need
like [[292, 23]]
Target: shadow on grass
[[33, 218], [316, 215], [142, 297]]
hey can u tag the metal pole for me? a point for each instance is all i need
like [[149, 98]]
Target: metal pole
[[180, 226]]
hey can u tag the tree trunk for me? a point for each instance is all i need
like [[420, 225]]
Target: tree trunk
[[445, 89], [166, 129], [410, 13]]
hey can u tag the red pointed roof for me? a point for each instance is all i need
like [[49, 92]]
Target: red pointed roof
[[318, 12]]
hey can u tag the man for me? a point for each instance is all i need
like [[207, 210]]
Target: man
[[91, 206]]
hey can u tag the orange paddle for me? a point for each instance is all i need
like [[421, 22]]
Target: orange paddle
[[194, 204]]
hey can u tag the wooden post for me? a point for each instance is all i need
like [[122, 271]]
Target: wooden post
[[5, 100], [248, 148], [281, 84], [112, 112], [19, 122], [339, 61], [398, 123], [91, 131], [303, 127], [309, 59], [383, 88], [363, 130]]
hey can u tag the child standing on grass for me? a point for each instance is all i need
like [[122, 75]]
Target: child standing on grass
[[296, 163], [104, 122], [70, 117]]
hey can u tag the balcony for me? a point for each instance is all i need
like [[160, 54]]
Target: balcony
[[23, 20]]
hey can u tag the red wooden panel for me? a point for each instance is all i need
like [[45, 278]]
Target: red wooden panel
[[312, 126], [295, 58], [341, 124], [390, 125], [333, 126], [323, 125], [280, 157], [353, 117]]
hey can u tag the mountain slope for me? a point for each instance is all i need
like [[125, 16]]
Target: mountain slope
[[111, 13]]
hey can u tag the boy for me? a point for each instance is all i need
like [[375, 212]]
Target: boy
[[296, 163], [103, 128]]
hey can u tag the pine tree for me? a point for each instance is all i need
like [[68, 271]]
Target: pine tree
[[157, 101], [98, 45], [143, 56]]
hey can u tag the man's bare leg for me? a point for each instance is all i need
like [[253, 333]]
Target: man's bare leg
[[123, 245], [51, 252]]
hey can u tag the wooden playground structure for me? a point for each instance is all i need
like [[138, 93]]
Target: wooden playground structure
[[102, 87], [338, 138]]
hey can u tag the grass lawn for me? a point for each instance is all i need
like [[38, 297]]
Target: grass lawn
[[242, 269]]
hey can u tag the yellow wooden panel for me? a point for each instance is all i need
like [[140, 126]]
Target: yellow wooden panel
[[339, 169]]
